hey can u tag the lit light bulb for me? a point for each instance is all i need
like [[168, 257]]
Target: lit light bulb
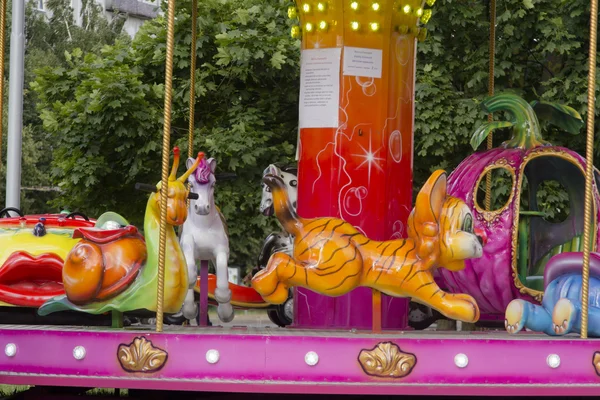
[[406, 9], [374, 26], [375, 6], [354, 25], [430, 3], [292, 13], [354, 5], [426, 16], [419, 12], [308, 27], [323, 26], [306, 8], [295, 32], [321, 7]]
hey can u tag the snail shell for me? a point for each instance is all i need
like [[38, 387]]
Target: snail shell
[[97, 270], [82, 272]]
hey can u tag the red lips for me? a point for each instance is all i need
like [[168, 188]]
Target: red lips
[[30, 281]]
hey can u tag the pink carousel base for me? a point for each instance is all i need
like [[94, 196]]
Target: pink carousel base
[[274, 361]]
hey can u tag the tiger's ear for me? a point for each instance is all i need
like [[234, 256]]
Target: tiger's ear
[[430, 199]]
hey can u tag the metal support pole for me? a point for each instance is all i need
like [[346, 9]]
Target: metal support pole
[[15, 106]]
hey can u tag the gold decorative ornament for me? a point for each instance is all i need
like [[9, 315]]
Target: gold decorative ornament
[[426, 16], [141, 356], [292, 12], [295, 32], [430, 3], [402, 29], [596, 362], [386, 360]]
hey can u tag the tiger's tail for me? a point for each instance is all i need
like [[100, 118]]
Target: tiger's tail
[[284, 211]]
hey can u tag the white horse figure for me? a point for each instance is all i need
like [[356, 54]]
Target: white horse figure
[[204, 237]]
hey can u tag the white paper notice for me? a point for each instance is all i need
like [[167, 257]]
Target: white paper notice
[[320, 88], [363, 62]]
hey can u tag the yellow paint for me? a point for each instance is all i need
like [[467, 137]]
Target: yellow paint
[[56, 241]]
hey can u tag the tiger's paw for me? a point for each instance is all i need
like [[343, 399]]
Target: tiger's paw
[[461, 307], [267, 284]]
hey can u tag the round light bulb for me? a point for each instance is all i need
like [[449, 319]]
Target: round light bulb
[[419, 12], [406, 9], [311, 358], [10, 350], [321, 7], [212, 356], [354, 5], [354, 25], [553, 361], [306, 8], [375, 6], [79, 353], [323, 25], [308, 27], [374, 26], [461, 360]]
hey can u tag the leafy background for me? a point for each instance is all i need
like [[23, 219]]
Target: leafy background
[[93, 107]]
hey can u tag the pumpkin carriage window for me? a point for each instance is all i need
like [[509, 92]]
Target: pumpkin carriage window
[[503, 182], [550, 215]]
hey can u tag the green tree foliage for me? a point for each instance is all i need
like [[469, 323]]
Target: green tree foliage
[[47, 43], [104, 112]]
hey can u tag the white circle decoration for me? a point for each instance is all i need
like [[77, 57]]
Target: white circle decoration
[[79, 352], [311, 358], [461, 360], [212, 356], [10, 350]]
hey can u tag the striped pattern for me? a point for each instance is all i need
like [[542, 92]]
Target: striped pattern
[[332, 257]]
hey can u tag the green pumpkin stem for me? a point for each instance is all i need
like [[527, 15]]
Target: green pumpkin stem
[[526, 133]]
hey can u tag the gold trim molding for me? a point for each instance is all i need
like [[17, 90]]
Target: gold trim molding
[[491, 216], [543, 152], [141, 356], [386, 360]]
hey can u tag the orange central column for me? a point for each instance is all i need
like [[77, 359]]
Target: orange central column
[[356, 135]]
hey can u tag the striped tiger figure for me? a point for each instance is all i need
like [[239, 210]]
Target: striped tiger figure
[[331, 257]]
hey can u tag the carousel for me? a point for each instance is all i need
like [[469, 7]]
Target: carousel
[[358, 275]]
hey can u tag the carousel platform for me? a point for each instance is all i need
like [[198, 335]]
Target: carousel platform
[[275, 360]]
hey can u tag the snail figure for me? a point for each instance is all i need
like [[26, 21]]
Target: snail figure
[[117, 269]]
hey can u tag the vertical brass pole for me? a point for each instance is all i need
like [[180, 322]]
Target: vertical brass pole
[[192, 78], [589, 168], [162, 242], [492, 51], [2, 39]]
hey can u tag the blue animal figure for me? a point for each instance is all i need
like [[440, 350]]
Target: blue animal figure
[[560, 312]]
